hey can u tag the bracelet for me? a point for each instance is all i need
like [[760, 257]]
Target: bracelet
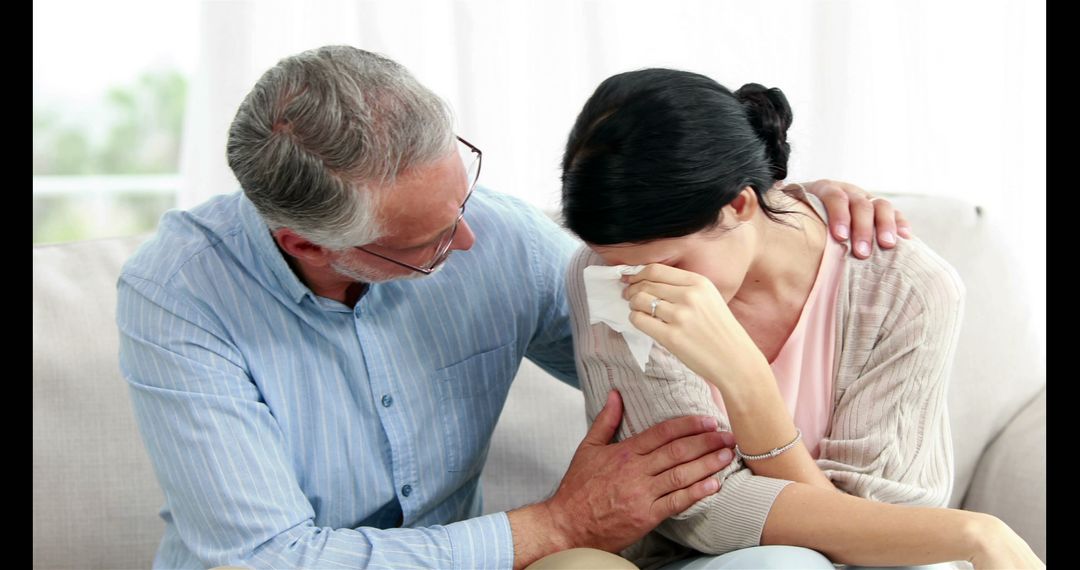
[[774, 452]]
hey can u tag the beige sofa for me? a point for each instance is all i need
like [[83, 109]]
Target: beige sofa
[[96, 497]]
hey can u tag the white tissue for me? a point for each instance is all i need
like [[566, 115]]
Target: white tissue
[[603, 290]]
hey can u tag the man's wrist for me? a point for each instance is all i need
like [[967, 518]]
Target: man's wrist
[[562, 532], [538, 531]]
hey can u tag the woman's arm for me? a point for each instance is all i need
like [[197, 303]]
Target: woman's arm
[[730, 519], [890, 439], [851, 530], [694, 322], [761, 422]]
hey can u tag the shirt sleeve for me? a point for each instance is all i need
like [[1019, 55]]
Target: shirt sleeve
[[890, 439], [220, 457], [551, 346]]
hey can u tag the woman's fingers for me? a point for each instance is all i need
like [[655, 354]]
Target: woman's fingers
[[664, 274]]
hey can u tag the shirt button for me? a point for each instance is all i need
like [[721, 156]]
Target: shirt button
[[387, 400], [406, 490]]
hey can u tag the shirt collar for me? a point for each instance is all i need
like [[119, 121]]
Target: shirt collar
[[266, 249]]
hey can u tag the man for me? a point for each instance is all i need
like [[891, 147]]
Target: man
[[306, 403]]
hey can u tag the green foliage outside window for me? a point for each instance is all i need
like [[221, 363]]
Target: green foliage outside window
[[136, 131]]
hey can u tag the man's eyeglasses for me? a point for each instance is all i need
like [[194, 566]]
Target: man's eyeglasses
[[471, 158]]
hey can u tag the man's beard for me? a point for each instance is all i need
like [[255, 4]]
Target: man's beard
[[367, 275]]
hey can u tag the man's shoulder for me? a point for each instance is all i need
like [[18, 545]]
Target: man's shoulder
[[510, 219], [184, 237], [506, 210]]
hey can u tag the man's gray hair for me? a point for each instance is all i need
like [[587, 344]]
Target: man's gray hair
[[323, 131]]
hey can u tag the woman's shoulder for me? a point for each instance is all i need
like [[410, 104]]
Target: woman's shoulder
[[575, 278], [910, 272], [582, 258]]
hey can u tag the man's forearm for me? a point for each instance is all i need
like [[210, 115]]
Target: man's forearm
[[852, 530]]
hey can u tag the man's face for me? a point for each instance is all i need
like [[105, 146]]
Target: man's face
[[417, 212]]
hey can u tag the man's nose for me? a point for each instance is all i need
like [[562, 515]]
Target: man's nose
[[464, 238]]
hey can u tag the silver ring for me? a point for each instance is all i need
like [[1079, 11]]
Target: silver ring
[[653, 305]]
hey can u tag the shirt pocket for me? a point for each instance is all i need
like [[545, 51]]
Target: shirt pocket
[[471, 397]]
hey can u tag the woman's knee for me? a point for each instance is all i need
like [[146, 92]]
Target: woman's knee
[[582, 559]]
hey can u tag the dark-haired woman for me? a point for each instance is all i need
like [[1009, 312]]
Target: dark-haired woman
[[831, 371]]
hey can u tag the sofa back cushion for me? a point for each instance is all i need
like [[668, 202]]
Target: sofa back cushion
[[95, 495]]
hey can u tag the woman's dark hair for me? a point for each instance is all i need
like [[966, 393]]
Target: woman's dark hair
[[656, 153]]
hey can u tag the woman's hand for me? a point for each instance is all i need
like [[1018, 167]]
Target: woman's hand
[[998, 546], [693, 321]]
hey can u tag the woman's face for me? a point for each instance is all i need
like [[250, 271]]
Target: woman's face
[[723, 254]]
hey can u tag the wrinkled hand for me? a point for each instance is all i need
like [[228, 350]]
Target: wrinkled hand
[[693, 321], [852, 207], [615, 493]]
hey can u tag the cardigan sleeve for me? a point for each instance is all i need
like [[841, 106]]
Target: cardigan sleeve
[[890, 439]]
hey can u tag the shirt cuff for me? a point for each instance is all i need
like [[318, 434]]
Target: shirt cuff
[[482, 542]]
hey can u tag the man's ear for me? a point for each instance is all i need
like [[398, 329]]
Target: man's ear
[[301, 248]]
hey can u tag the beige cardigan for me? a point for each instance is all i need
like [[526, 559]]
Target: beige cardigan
[[897, 322]]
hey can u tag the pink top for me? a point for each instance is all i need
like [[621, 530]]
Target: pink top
[[804, 366]]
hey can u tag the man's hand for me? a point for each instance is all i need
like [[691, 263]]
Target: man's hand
[[852, 207], [615, 493]]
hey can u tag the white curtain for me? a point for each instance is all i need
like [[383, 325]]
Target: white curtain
[[913, 96]]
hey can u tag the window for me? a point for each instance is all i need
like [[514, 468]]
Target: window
[[110, 86]]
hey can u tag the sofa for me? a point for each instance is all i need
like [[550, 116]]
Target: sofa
[[96, 499]]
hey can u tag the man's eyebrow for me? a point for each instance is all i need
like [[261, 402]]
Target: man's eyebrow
[[436, 236], [428, 241]]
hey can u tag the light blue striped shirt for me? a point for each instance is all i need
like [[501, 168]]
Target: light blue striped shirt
[[288, 430]]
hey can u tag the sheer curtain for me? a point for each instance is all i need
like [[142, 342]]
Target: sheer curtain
[[912, 96]]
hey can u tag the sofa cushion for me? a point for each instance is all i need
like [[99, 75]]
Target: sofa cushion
[[539, 429], [95, 495], [998, 367], [1010, 480]]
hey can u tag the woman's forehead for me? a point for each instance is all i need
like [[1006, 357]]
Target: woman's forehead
[[641, 253]]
